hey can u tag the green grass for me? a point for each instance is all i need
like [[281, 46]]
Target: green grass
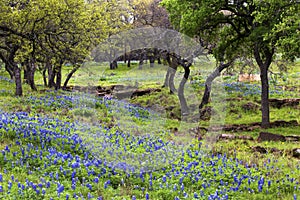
[[166, 110]]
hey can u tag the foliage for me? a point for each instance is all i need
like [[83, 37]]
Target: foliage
[[52, 32], [255, 29], [66, 159], [50, 148]]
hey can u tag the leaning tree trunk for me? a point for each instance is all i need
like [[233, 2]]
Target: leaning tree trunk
[[183, 103], [171, 80], [173, 69], [167, 78], [69, 76], [166, 83], [208, 83], [11, 73]]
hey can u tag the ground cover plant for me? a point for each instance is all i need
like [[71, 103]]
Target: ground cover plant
[[63, 158], [72, 145], [110, 100]]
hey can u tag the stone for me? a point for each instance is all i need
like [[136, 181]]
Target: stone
[[296, 152], [265, 136], [259, 149]]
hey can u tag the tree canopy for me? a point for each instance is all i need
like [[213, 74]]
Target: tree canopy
[[260, 29], [239, 24], [49, 31]]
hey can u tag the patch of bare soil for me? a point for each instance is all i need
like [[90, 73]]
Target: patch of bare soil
[[118, 91], [279, 103], [253, 126]]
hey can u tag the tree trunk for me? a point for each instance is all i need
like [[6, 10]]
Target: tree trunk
[[45, 77], [13, 67], [166, 83], [128, 62], [265, 110], [208, 83], [29, 71], [113, 65], [173, 66], [171, 80], [157, 54], [264, 67], [159, 61], [26, 72], [152, 59], [128, 59], [30, 77], [69, 76], [141, 64], [18, 81], [183, 103], [51, 74], [11, 73], [58, 77]]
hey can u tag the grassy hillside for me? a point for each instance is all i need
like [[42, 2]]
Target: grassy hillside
[[71, 145]]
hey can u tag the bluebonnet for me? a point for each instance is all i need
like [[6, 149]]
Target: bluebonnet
[[40, 132], [60, 189]]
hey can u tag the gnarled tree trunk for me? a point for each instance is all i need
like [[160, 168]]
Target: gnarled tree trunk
[[11, 73], [166, 83], [182, 100], [172, 72], [168, 59], [169, 79], [173, 68], [69, 76], [208, 83]]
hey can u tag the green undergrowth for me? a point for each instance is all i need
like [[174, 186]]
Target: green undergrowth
[[157, 114]]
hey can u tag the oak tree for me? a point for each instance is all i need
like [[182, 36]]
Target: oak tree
[[262, 29]]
